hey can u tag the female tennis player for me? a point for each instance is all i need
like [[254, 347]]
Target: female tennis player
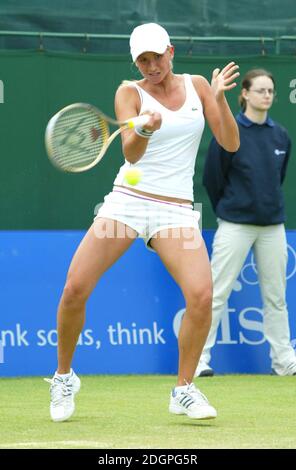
[[246, 192], [159, 209]]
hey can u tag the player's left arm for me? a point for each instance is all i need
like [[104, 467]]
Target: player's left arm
[[216, 108]]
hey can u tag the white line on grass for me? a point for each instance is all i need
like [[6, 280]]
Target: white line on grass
[[56, 444]]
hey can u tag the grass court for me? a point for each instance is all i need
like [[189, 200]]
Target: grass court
[[131, 412]]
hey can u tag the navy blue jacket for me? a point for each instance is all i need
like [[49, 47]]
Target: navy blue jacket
[[246, 186]]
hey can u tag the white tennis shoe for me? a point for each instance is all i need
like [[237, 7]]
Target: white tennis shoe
[[203, 370], [62, 392], [188, 400], [288, 370]]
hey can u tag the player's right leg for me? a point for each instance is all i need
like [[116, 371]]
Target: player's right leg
[[104, 243], [231, 245]]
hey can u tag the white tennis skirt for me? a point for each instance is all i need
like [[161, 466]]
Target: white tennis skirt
[[146, 215]]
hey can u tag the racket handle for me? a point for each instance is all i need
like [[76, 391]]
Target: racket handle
[[138, 121]]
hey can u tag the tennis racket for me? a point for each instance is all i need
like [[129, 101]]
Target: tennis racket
[[78, 136]]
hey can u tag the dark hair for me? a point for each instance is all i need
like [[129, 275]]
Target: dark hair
[[247, 82]]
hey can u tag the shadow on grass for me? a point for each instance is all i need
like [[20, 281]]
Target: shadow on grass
[[199, 423]]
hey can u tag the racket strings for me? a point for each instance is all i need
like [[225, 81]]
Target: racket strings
[[78, 138]]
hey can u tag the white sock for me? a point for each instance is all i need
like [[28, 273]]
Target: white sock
[[64, 376], [179, 388]]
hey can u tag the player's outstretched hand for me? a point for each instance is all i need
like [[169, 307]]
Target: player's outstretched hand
[[224, 80]]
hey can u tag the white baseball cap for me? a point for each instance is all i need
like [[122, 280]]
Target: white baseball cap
[[149, 37]]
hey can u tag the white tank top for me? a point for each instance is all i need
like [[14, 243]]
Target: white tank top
[[168, 164]]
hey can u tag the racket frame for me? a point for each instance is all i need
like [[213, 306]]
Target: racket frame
[[127, 124]]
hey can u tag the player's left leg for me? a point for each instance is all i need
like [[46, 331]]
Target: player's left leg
[[186, 258], [271, 258]]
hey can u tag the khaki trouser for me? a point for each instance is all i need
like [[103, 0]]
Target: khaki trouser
[[231, 245]]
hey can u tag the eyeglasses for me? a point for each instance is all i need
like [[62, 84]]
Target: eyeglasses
[[263, 91]]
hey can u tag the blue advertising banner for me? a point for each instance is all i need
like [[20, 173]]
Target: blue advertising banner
[[133, 316]]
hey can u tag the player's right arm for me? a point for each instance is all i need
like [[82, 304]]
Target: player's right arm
[[127, 105]]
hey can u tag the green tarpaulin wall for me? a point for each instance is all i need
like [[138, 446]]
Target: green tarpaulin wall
[[203, 18]]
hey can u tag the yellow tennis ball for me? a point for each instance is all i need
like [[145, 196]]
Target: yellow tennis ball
[[133, 176]]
